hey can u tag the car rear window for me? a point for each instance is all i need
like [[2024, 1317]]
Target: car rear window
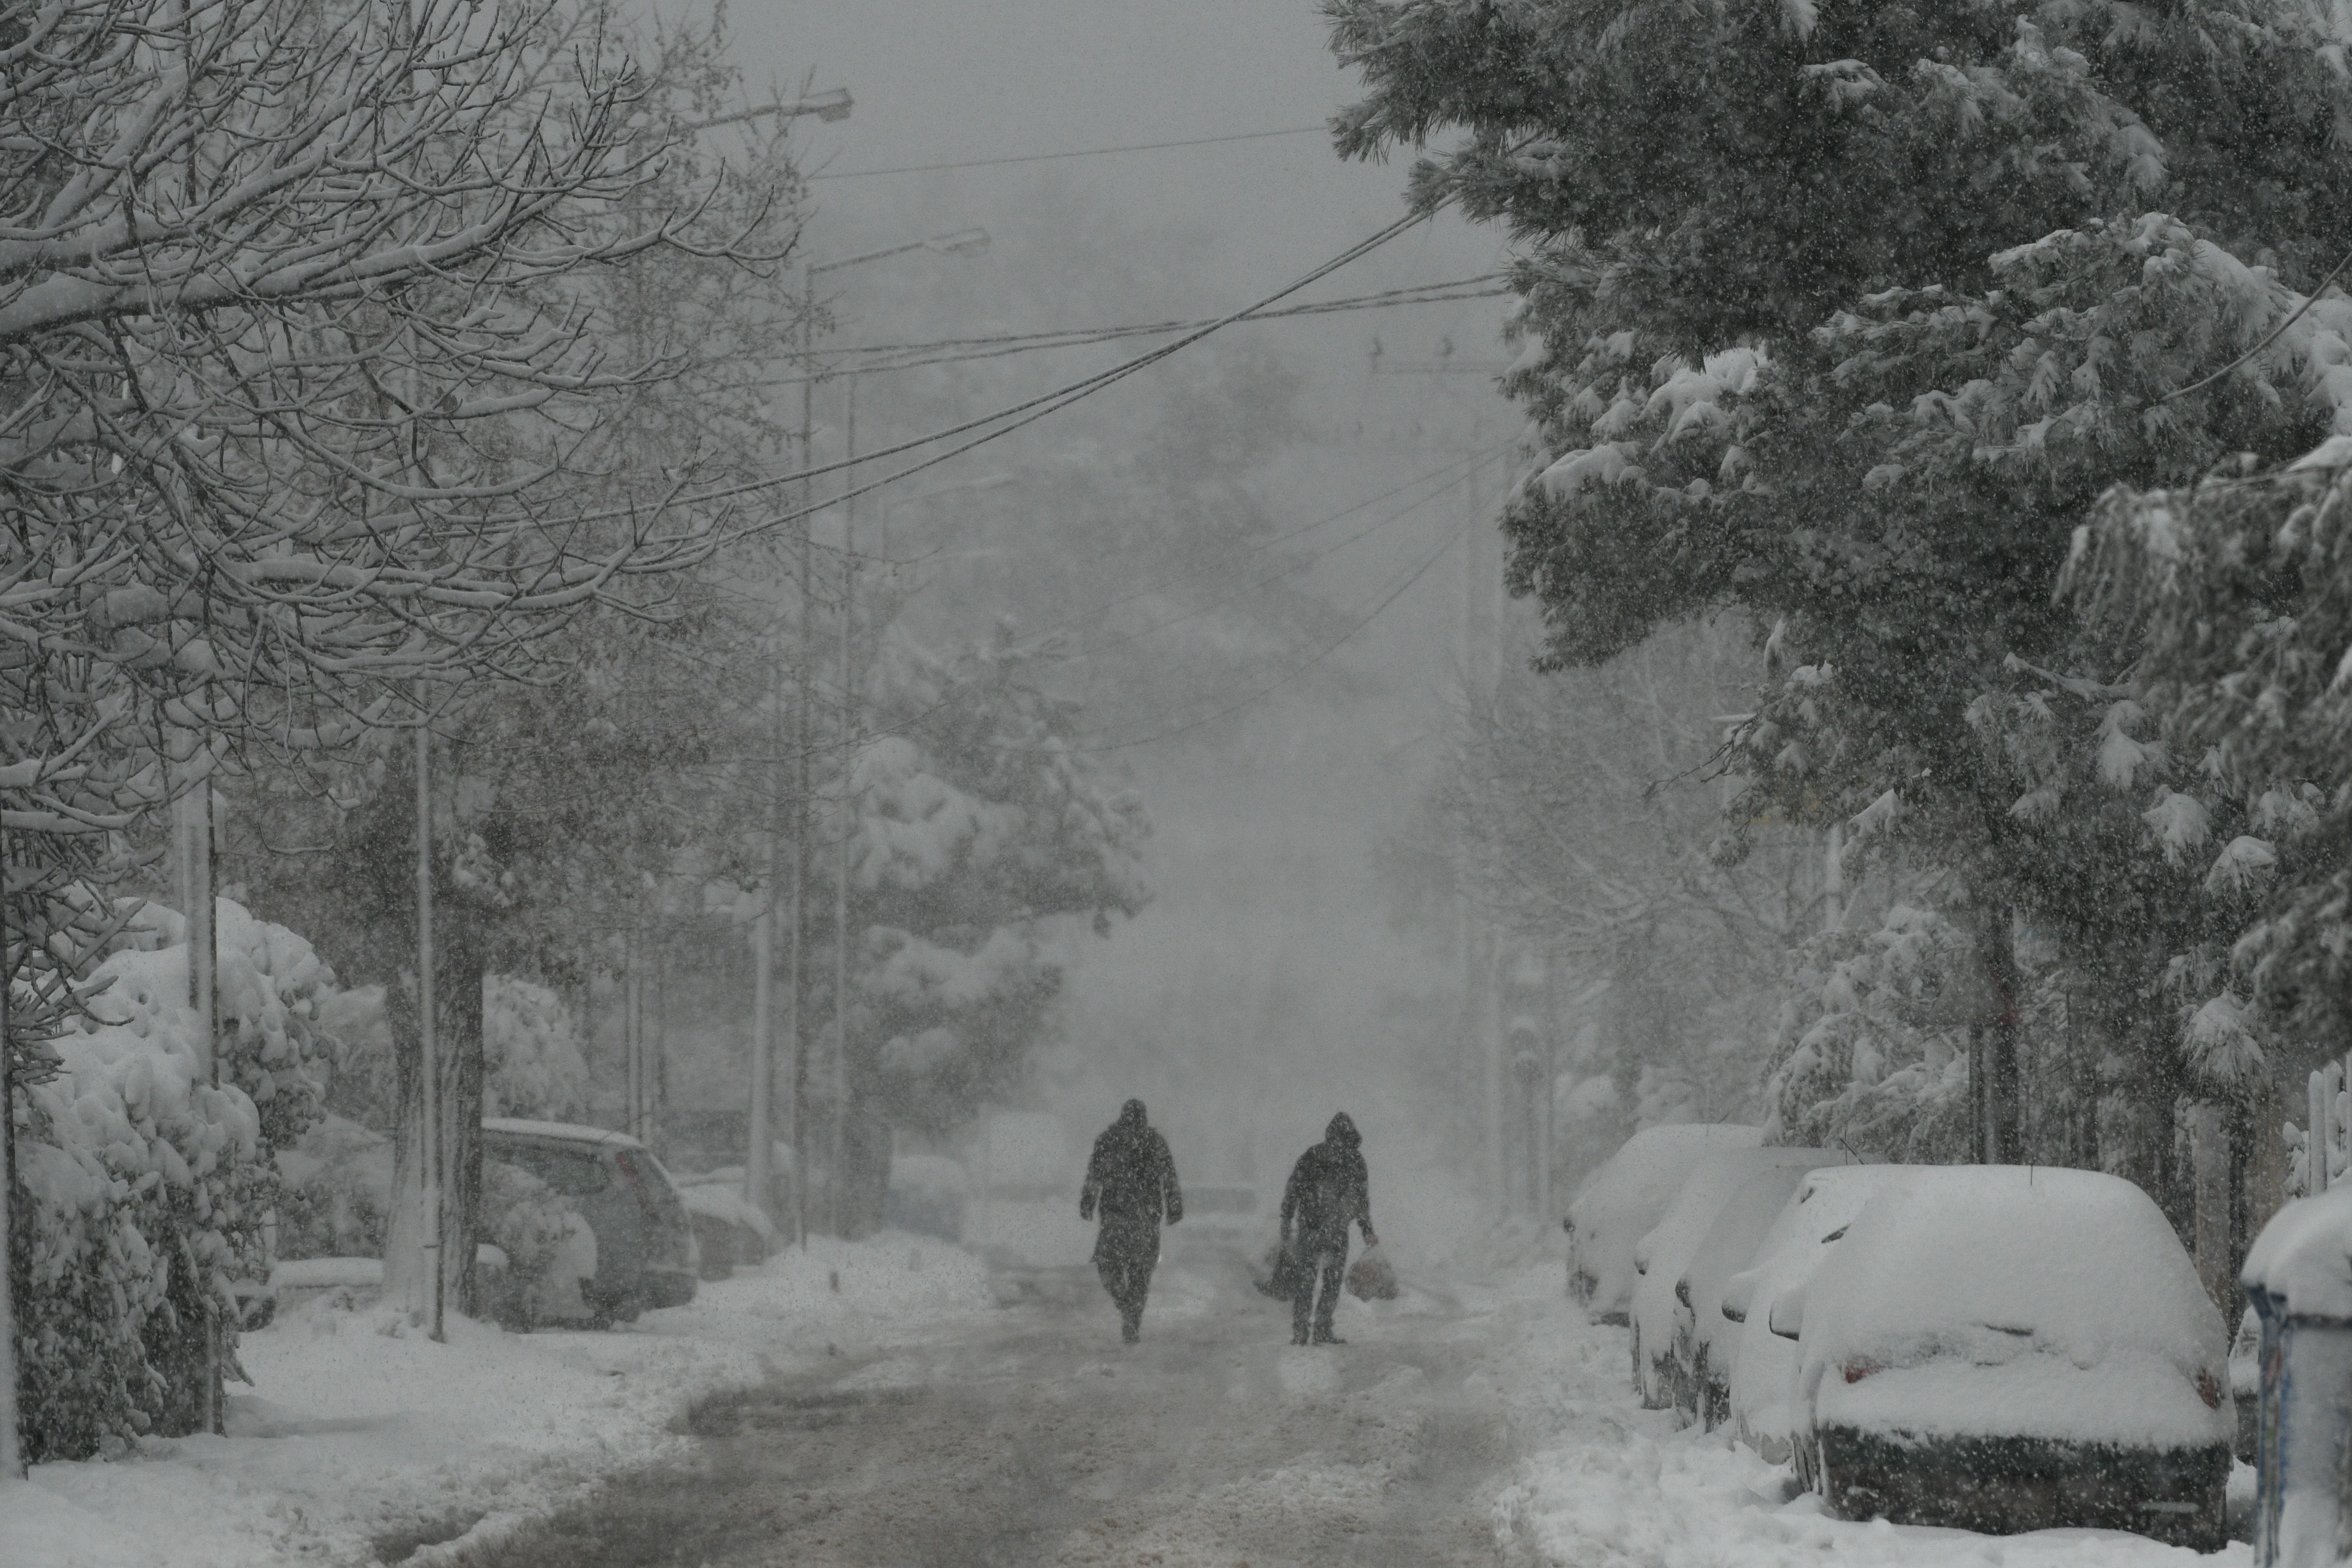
[[574, 1172]]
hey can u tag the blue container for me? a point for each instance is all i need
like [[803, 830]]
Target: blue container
[[2299, 1277]]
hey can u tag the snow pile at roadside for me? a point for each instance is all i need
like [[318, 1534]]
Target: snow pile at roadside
[[1610, 1485], [364, 1438]]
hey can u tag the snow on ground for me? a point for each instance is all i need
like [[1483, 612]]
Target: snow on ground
[[363, 1438], [1610, 1485]]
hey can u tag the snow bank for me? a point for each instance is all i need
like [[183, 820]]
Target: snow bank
[[2303, 1260], [1624, 1197], [361, 1431], [2010, 1299]]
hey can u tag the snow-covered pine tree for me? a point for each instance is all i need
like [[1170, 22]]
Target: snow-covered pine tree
[[1847, 315]]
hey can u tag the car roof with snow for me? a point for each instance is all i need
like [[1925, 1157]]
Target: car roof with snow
[[1744, 1218], [2080, 1263], [1623, 1199], [563, 1131], [2303, 1261]]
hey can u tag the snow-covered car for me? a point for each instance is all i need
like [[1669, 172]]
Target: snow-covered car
[[1661, 1257], [1756, 1367], [926, 1197], [642, 1240], [1704, 1343], [1622, 1198], [1024, 1222], [2005, 1348], [728, 1228]]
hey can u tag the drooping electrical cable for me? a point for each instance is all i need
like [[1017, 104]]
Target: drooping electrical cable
[[1056, 157]]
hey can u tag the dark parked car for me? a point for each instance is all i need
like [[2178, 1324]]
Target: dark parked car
[[646, 1252], [2007, 1348]]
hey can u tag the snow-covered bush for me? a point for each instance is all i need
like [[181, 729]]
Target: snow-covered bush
[[531, 1064], [528, 1220], [337, 1192], [147, 1183]]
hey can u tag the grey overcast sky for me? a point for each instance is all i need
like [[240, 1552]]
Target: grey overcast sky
[[944, 80], [1267, 929]]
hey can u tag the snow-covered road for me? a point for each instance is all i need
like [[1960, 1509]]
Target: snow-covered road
[[901, 1419], [1035, 1438]]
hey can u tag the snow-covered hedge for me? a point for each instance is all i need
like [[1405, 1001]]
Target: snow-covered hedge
[[131, 1162]]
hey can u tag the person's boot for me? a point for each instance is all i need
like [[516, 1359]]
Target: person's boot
[[1299, 1336], [1130, 1328]]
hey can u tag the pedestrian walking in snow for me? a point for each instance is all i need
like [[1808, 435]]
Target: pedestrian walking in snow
[[1132, 1179], [1329, 1188]]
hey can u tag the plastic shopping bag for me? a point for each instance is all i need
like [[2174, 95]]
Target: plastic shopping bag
[[1370, 1277]]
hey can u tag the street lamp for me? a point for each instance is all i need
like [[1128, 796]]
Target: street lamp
[[832, 105]]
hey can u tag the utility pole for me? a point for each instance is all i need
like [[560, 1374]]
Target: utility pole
[[1481, 953], [12, 1457], [832, 105], [429, 1157], [795, 927], [192, 868], [849, 813], [964, 242]]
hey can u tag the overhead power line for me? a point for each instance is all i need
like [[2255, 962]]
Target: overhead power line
[[1079, 152], [1004, 420], [886, 357]]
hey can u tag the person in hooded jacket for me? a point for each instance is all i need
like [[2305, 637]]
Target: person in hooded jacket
[[1329, 1190], [1132, 1179]]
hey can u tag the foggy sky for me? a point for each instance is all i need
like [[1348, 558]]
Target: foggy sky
[[1267, 945]]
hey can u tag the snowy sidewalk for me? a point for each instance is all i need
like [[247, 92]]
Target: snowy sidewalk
[[364, 1439], [1610, 1485]]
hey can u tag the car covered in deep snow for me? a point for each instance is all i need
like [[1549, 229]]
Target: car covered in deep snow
[[1756, 1367], [1705, 1343], [1623, 1198], [1661, 1257], [2005, 1348], [640, 1251]]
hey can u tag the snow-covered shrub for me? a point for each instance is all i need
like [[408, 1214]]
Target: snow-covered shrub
[[147, 1184], [527, 1220], [531, 1064], [336, 1192]]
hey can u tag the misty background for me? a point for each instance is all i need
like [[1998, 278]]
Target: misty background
[[1266, 562]]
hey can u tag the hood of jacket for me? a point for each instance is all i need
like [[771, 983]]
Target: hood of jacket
[[1342, 1132]]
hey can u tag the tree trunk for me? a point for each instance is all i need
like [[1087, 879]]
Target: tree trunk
[[457, 994], [1999, 1103], [404, 1264]]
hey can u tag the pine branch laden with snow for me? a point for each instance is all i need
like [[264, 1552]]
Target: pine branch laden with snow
[[1869, 1054], [2237, 590]]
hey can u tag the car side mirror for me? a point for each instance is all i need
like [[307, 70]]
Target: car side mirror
[[1737, 1293], [1788, 1318], [1641, 1257]]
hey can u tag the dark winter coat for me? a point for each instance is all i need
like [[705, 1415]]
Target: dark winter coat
[[1132, 1176], [1329, 1190]]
